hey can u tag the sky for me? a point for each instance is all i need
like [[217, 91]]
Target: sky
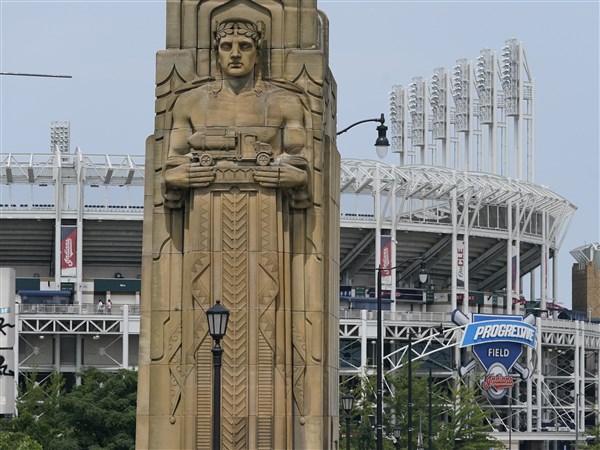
[[109, 47]]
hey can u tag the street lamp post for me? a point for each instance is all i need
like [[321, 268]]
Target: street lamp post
[[381, 145], [379, 360], [430, 425], [347, 400], [379, 364], [510, 420], [410, 404], [217, 317]]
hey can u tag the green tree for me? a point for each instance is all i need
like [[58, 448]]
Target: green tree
[[18, 441], [468, 427], [103, 410], [98, 414], [594, 442], [37, 406]]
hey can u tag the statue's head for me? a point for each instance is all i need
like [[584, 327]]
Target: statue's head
[[238, 45]]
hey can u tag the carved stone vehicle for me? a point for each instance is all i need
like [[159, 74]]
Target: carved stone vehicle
[[212, 145]]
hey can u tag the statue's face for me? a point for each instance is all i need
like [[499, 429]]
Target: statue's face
[[237, 55]]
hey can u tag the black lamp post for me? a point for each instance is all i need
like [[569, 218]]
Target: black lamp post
[[410, 400], [430, 425], [396, 434], [379, 360], [382, 143], [510, 423], [347, 400], [217, 316]]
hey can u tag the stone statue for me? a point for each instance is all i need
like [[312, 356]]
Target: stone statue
[[239, 118], [242, 188]]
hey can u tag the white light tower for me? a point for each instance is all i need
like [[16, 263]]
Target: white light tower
[[418, 114], [398, 121], [461, 93], [440, 110], [510, 77], [60, 137], [485, 87], [517, 90]]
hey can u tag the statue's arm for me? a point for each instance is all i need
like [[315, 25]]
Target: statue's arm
[[180, 170], [291, 168]]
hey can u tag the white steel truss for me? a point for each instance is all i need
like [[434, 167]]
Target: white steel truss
[[564, 369], [66, 340]]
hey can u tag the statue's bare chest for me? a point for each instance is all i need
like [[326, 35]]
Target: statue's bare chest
[[246, 110]]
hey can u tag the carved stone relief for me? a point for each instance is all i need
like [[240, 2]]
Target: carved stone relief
[[241, 207]]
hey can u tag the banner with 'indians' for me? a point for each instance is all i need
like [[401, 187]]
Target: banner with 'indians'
[[68, 251]]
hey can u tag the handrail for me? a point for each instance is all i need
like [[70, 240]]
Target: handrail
[[84, 309]]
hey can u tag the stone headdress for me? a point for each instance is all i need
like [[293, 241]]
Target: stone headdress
[[242, 27]]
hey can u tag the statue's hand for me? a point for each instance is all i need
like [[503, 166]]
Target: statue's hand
[[188, 175], [200, 176], [281, 175], [178, 177]]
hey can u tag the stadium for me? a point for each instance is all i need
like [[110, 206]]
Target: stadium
[[458, 225]]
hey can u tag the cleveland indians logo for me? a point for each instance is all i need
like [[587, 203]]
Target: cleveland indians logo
[[497, 342]]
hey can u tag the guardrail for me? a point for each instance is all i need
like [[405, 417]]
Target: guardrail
[[400, 316], [84, 309]]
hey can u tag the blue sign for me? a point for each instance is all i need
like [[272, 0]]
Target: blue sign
[[498, 339], [497, 342]]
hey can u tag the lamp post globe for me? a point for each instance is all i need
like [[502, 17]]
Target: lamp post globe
[[347, 402], [218, 317], [382, 144]]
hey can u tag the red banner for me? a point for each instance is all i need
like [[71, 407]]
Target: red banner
[[460, 264], [385, 262], [68, 251]]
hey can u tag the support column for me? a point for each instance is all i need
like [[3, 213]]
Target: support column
[[581, 399], [393, 235], [465, 307], [509, 256], [543, 266], [79, 257], [517, 257], [57, 352], [125, 337], [364, 341], [78, 355], [539, 375], [57, 226], [532, 286], [529, 393], [555, 276], [453, 209], [577, 377]]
